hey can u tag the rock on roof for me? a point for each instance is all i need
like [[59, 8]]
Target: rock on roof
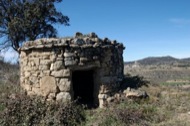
[[79, 40]]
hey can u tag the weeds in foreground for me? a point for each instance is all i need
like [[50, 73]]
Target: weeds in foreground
[[24, 110], [166, 106]]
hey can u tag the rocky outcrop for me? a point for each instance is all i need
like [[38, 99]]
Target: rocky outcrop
[[134, 93]]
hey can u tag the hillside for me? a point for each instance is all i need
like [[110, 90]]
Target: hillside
[[9, 73], [161, 69], [167, 60]]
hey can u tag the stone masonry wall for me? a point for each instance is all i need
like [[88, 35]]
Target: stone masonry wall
[[47, 65]]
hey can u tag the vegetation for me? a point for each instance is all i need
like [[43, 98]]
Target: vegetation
[[24, 110], [134, 82], [23, 20], [167, 105]]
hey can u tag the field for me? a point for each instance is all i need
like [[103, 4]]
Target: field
[[167, 105]]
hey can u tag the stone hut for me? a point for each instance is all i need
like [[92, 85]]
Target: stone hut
[[82, 67]]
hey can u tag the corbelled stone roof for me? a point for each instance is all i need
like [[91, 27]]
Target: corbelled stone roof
[[79, 40]]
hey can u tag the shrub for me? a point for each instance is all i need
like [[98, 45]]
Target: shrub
[[23, 110], [134, 82]]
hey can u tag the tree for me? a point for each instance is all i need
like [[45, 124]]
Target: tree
[[25, 20]]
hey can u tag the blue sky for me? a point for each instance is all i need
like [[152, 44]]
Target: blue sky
[[145, 27]]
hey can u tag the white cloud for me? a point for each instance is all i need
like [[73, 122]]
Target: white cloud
[[180, 21]]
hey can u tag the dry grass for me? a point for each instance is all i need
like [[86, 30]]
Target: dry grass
[[168, 105]]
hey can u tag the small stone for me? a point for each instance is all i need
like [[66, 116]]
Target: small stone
[[70, 61], [63, 97], [105, 39], [57, 65], [53, 58], [27, 87], [27, 74], [102, 96], [45, 62], [63, 41], [78, 34], [51, 96], [102, 103], [36, 91], [95, 57], [64, 85], [33, 79], [61, 73], [78, 41], [93, 35], [44, 67], [110, 99], [113, 42], [83, 59], [68, 54], [22, 54], [132, 93]]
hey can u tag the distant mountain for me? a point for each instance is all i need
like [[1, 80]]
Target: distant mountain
[[186, 59], [165, 60], [160, 69]]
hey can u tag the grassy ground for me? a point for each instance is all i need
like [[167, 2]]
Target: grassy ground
[[167, 105]]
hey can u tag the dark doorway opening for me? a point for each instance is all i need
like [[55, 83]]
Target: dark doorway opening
[[83, 87]]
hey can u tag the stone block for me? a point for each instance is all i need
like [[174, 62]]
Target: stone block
[[46, 72], [102, 96], [36, 61], [27, 87], [44, 67], [46, 57], [24, 62], [69, 54], [64, 85], [36, 85], [27, 74], [23, 54], [93, 35], [78, 41], [36, 91], [104, 89], [53, 58], [61, 73], [70, 61], [45, 62], [102, 103], [57, 65], [33, 79], [63, 97], [84, 59], [48, 85], [51, 96]]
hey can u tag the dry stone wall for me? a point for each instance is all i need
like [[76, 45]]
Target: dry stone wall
[[47, 66]]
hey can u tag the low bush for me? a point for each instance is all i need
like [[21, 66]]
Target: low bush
[[134, 82], [23, 110]]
